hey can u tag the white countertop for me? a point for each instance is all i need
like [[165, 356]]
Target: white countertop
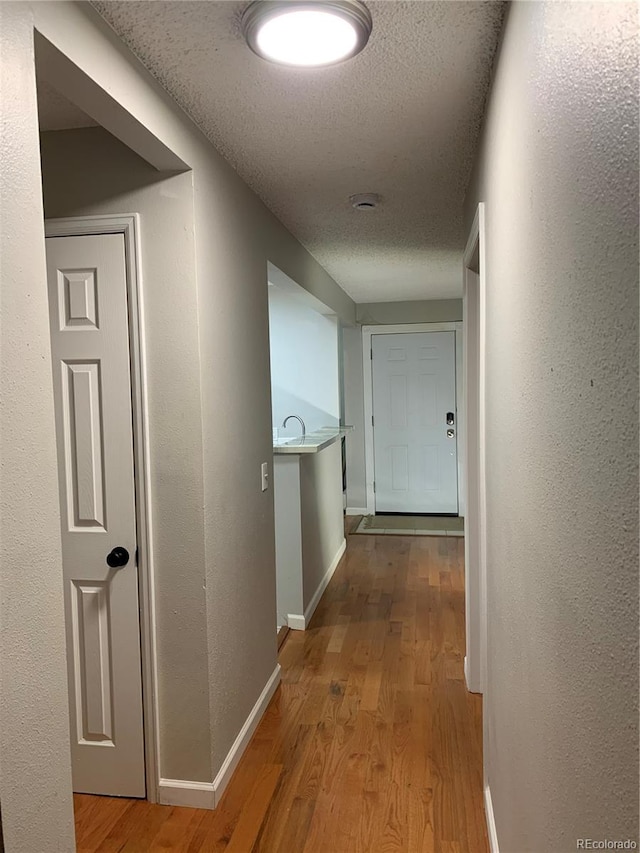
[[312, 442]]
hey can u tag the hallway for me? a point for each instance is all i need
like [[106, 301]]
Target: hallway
[[371, 744]]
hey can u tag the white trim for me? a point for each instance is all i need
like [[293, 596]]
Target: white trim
[[491, 821], [324, 583], [300, 623], [244, 736], [474, 312], [207, 795], [295, 622], [195, 795], [461, 421], [128, 224], [356, 510], [404, 329]]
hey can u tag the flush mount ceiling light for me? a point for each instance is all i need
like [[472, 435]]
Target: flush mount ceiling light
[[307, 33]]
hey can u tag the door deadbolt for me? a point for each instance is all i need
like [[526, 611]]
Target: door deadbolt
[[118, 557], [450, 419]]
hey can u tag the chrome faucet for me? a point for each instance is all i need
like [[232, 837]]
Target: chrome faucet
[[288, 418]]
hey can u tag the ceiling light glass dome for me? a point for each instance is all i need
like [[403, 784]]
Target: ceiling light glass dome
[[306, 34]]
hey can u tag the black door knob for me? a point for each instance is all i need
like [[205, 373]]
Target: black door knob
[[118, 557]]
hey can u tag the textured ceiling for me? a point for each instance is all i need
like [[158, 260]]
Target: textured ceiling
[[402, 119]]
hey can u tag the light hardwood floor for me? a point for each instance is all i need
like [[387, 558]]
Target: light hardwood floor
[[371, 745]]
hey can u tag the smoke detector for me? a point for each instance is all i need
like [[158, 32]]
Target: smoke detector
[[364, 201]]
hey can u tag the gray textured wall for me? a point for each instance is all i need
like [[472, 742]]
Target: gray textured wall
[[354, 416], [35, 782], [558, 174], [89, 171], [422, 311], [235, 236], [322, 518]]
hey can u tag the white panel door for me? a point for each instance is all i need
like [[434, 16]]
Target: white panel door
[[415, 422], [92, 389]]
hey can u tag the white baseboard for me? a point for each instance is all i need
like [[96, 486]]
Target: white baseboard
[[356, 510], [299, 623], [244, 736], [324, 583], [206, 795], [491, 821], [295, 621], [472, 687], [178, 792]]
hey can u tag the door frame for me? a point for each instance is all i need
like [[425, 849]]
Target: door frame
[[474, 317], [128, 224], [406, 329]]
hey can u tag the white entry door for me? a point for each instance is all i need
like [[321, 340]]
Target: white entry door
[[415, 422], [92, 389]]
